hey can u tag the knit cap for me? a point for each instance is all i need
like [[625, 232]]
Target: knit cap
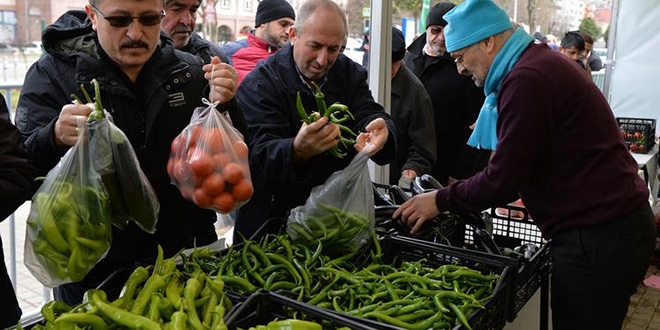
[[270, 10], [435, 14], [473, 21], [398, 45]]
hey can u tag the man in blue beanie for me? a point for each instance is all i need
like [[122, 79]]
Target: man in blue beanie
[[579, 184]]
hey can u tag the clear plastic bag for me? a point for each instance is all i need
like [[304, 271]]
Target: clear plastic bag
[[340, 213], [209, 162], [68, 229], [131, 196]]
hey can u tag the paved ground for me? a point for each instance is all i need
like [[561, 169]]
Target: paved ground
[[644, 310]]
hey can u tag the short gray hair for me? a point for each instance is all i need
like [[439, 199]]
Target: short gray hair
[[311, 6]]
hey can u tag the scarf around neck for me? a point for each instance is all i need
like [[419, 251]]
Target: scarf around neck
[[484, 135]]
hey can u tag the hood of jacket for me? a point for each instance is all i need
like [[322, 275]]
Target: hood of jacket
[[71, 33]]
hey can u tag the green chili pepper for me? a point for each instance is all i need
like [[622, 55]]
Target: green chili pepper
[[118, 315], [190, 292]]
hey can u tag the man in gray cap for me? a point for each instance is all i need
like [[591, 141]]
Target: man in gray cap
[[456, 101], [412, 113], [179, 24], [272, 23], [580, 184]]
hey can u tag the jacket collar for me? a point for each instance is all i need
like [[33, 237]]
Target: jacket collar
[[255, 41]]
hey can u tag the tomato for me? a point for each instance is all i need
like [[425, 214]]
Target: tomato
[[177, 147], [187, 191], [181, 172], [233, 173], [213, 141], [202, 199], [220, 159], [170, 167], [224, 203], [214, 184], [242, 191], [241, 150], [201, 164]]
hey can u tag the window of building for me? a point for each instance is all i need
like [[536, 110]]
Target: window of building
[[224, 4], [247, 5]]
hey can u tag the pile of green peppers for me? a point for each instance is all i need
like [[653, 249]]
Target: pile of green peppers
[[411, 296], [162, 296], [68, 231]]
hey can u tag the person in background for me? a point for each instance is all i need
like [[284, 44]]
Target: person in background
[[16, 186], [287, 157], [412, 113], [151, 89], [230, 48], [586, 197], [273, 20], [179, 24], [456, 101], [552, 41], [572, 46], [593, 60], [365, 48]]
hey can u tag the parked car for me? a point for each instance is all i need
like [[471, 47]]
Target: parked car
[[6, 48], [354, 50], [33, 48]]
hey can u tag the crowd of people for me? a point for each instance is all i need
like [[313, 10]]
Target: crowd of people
[[476, 102]]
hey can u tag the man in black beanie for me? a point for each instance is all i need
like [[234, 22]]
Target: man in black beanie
[[456, 100], [272, 23], [412, 113]]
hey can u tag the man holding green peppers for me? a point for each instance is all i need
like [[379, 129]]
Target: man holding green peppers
[[579, 184], [287, 156], [151, 90]]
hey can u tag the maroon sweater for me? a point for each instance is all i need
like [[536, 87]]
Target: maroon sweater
[[559, 149]]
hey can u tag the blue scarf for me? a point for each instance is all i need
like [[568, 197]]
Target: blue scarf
[[484, 135]]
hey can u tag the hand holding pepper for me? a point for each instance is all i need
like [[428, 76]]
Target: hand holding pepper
[[315, 138], [71, 117]]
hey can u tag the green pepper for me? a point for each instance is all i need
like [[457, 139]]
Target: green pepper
[[190, 292], [139, 275], [118, 315]]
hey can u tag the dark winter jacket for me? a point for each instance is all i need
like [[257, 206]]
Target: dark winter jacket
[[204, 49], [16, 173], [456, 104], [268, 99], [152, 112], [412, 113]]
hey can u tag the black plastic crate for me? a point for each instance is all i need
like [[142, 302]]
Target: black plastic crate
[[639, 133], [506, 231], [264, 306], [397, 249]]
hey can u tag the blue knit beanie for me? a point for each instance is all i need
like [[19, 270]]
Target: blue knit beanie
[[473, 21]]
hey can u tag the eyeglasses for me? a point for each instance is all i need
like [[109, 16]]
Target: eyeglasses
[[124, 21], [459, 60]]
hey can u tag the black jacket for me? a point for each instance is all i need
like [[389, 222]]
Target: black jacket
[[412, 112], [204, 49], [268, 99], [152, 112], [16, 173], [456, 104]]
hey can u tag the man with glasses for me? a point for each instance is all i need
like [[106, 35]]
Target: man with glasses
[[558, 147], [150, 89], [456, 101], [179, 24]]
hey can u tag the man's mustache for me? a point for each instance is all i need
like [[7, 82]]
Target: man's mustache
[[134, 44], [181, 29]]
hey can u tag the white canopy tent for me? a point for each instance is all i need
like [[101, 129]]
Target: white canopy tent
[[633, 68]]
